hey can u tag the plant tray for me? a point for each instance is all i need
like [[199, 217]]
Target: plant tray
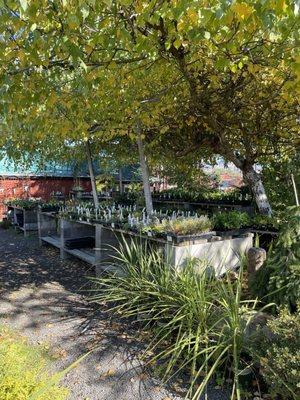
[[233, 232], [171, 237]]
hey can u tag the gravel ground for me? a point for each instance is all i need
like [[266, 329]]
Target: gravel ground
[[45, 299]]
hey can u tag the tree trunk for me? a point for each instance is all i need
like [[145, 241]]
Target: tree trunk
[[92, 175], [254, 181], [295, 189], [145, 172], [121, 181]]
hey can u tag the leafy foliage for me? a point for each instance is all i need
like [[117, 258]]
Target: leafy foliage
[[23, 372], [183, 226], [231, 220], [279, 278], [5, 224], [198, 323], [279, 355], [205, 194], [203, 79]]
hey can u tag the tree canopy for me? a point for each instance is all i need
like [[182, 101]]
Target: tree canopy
[[202, 78]]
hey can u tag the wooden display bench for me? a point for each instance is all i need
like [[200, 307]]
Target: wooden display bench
[[25, 220], [188, 205], [49, 228], [220, 252]]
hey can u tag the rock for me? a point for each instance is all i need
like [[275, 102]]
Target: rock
[[256, 256], [258, 326]]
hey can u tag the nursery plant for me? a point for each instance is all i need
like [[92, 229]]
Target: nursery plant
[[230, 220], [279, 278], [23, 371], [27, 204], [198, 323]]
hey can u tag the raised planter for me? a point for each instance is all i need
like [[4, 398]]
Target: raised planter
[[207, 205], [219, 252], [23, 219], [49, 228]]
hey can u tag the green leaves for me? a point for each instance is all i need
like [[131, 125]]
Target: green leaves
[[24, 4]]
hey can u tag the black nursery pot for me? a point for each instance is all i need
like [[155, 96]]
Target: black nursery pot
[[233, 232], [188, 238]]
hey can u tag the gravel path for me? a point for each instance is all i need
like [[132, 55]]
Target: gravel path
[[44, 298]]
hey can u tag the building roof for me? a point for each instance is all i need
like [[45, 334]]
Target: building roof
[[71, 170]]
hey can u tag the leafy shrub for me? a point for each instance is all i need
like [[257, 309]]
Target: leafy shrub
[[197, 321], [27, 204], [23, 373], [265, 222], [5, 224], [279, 278], [279, 356], [230, 220]]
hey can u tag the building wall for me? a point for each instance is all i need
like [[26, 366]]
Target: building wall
[[43, 187]]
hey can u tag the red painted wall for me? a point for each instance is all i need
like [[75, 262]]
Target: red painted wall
[[43, 187]]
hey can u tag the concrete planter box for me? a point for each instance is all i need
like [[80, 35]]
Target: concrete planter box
[[220, 253]]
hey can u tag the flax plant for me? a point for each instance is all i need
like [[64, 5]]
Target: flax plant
[[199, 323]]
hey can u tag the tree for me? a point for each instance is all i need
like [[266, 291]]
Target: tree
[[218, 77], [237, 63]]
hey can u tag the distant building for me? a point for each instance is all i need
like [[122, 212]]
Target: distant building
[[53, 180]]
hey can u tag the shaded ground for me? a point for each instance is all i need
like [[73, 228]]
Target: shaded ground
[[44, 298]]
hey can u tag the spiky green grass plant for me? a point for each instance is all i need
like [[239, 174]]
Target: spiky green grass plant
[[199, 323]]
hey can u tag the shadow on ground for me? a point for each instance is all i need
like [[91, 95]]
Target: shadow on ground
[[46, 299]]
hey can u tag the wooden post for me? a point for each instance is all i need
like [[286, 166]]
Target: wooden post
[[24, 222], [39, 227], [144, 168], [92, 175], [63, 254], [121, 181], [98, 249]]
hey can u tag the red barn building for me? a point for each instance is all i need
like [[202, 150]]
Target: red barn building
[[24, 184]]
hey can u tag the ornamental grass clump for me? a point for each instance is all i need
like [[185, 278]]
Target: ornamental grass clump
[[189, 226], [23, 374], [198, 323]]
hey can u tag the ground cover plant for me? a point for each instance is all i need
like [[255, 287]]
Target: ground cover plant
[[198, 323], [23, 371]]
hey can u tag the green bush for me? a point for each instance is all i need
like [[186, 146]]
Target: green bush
[[23, 374], [5, 224], [279, 356], [27, 204], [279, 278], [230, 220]]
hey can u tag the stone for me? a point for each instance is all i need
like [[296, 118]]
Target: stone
[[256, 256]]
